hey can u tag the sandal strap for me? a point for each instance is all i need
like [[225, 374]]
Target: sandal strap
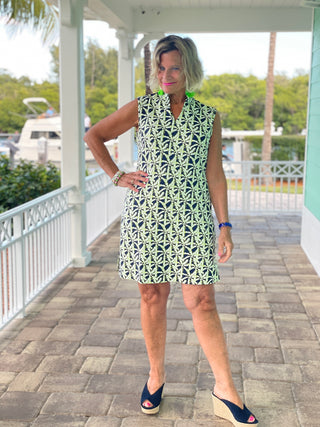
[[241, 415], [154, 398]]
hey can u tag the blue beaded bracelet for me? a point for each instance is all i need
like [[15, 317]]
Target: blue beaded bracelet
[[225, 224]]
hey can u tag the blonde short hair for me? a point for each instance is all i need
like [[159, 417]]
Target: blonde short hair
[[192, 67]]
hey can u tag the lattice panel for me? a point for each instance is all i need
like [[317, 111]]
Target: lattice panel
[[279, 170], [6, 230], [290, 170], [96, 183], [42, 212]]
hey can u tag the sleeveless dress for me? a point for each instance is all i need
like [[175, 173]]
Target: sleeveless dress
[[167, 228]]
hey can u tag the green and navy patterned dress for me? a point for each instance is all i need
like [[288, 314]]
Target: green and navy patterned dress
[[167, 228]]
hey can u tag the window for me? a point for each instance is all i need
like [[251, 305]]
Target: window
[[36, 134]]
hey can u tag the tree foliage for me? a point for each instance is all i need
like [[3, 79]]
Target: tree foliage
[[12, 110], [285, 147], [290, 103], [140, 84], [40, 15], [239, 99], [25, 182], [101, 81]]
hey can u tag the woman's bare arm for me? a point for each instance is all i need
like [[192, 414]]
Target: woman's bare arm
[[218, 190], [109, 128]]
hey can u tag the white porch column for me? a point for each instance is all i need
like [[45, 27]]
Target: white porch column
[[72, 120], [125, 90]]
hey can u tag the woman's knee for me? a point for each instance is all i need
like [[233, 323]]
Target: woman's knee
[[200, 299], [154, 293]]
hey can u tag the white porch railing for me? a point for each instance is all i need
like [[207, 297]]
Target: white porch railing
[[35, 240], [104, 204], [265, 187], [34, 249]]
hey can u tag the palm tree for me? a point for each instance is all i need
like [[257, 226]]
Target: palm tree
[[147, 67], [267, 141], [40, 15]]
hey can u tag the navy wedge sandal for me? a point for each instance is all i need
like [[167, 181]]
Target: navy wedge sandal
[[233, 413], [154, 399]]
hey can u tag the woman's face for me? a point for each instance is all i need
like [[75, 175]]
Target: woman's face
[[170, 74]]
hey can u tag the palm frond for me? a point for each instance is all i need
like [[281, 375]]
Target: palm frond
[[40, 15]]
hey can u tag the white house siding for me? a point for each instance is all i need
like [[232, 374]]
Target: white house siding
[[310, 236]]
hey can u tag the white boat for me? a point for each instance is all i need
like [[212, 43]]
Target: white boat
[[41, 135]]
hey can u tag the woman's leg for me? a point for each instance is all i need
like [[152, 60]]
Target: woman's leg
[[200, 300], [154, 326]]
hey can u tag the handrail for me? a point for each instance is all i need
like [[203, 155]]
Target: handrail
[[38, 201], [256, 186], [34, 249]]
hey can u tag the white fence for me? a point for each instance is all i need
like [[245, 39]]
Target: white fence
[[35, 240], [104, 204], [34, 249], [265, 187]]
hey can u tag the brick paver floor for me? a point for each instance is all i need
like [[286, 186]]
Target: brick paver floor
[[78, 358]]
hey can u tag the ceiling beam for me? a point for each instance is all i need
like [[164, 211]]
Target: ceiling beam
[[221, 20], [116, 13]]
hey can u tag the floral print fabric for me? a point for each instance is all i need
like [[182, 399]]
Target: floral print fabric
[[167, 228]]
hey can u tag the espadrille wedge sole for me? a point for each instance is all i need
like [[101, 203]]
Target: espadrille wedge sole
[[231, 412]]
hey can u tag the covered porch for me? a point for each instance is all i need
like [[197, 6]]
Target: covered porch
[[154, 19], [78, 357], [69, 361]]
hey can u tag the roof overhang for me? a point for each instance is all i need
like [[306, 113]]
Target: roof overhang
[[180, 16], [222, 20]]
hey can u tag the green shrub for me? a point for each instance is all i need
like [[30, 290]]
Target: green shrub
[[25, 182], [284, 147]]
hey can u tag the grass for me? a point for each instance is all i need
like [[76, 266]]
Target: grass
[[277, 188]]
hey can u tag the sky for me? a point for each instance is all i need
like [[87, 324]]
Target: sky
[[244, 53]]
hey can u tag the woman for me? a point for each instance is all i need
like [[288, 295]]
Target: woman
[[167, 228]]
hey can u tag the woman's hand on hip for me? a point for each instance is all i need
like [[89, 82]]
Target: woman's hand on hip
[[225, 244], [132, 180]]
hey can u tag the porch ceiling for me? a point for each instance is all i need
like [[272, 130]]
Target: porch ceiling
[[187, 16]]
